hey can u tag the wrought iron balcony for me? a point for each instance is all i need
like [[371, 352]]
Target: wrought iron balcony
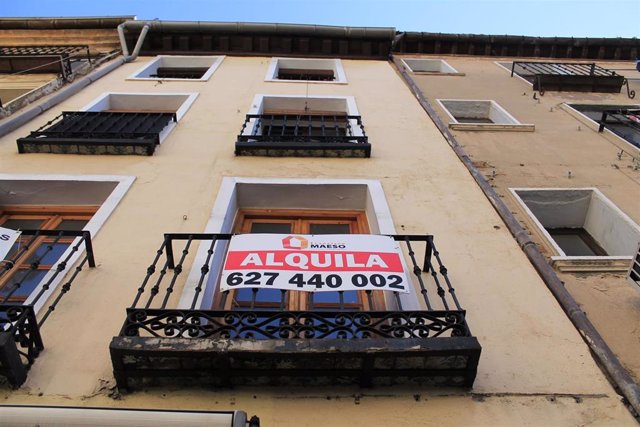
[[259, 346], [101, 132], [42, 59], [570, 76], [20, 339], [303, 135]]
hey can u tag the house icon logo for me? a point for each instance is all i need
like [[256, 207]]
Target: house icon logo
[[295, 242]]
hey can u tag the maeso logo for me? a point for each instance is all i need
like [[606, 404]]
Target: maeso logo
[[295, 242]]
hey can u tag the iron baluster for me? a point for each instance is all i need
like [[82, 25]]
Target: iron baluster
[[156, 288], [65, 288], [176, 272], [443, 271], [417, 272], [204, 270], [150, 270]]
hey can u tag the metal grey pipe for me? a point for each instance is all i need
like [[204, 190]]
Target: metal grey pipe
[[138, 46], [617, 373], [12, 415], [15, 121]]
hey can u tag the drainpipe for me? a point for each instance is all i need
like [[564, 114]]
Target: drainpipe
[[17, 120], [138, 46], [603, 354]]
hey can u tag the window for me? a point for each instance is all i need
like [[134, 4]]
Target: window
[[306, 70], [480, 115], [301, 222], [634, 270], [430, 66], [585, 229], [621, 120], [116, 123], [43, 252], [304, 127], [190, 68], [567, 76]]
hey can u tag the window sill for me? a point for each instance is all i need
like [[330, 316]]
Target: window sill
[[492, 127], [613, 264]]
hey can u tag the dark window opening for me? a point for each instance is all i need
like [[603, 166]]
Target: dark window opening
[[473, 119], [622, 120], [180, 72], [313, 75], [576, 242]]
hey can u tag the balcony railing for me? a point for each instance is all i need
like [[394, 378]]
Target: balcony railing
[[258, 346], [20, 340], [569, 76], [102, 132], [303, 135], [42, 59]]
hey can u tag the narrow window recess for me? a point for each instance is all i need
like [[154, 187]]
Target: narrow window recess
[[469, 114], [584, 228], [437, 67], [306, 70], [180, 68]]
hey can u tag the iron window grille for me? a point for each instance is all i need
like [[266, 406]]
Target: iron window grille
[[303, 135], [307, 75], [570, 76], [20, 339], [254, 346], [42, 59], [624, 122], [89, 132]]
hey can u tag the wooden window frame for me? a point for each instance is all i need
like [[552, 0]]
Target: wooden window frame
[[52, 216], [300, 221]]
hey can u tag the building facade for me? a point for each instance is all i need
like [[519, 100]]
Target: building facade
[[141, 178]]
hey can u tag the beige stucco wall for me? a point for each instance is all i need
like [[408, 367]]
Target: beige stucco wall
[[562, 142], [529, 346]]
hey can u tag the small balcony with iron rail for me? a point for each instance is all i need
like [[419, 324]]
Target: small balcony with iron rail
[[43, 59], [99, 132], [253, 344], [303, 135], [20, 325], [570, 77]]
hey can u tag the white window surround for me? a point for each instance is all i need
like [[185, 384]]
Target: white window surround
[[93, 226], [339, 104], [430, 66], [212, 62], [620, 142], [504, 67], [237, 192], [502, 120], [178, 102], [615, 231], [306, 64]]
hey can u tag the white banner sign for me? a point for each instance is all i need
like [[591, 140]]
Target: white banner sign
[[314, 263], [7, 238]]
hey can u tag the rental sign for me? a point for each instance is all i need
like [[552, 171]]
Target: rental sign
[[7, 238], [314, 263]]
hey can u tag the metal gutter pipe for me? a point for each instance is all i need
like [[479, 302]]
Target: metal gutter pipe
[[12, 415], [603, 354], [138, 46]]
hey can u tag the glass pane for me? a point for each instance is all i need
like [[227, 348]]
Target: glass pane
[[28, 280], [329, 228], [350, 297], [271, 227], [72, 224], [265, 298], [50, 256], [23, 224]]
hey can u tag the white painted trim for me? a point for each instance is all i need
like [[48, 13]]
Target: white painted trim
[[452, 72], [257, 107], [513, 122], [586, 119], [272, 71], [223, 215], [514, 74], [217, 61], [93, 226], [561, 255]]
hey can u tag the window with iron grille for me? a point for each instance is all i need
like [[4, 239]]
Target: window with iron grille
[[116, 123], [621, 120], [303, 127], [167, 67], [306, 70]]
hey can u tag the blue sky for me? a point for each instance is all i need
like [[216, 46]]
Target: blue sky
[[577, 18]]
